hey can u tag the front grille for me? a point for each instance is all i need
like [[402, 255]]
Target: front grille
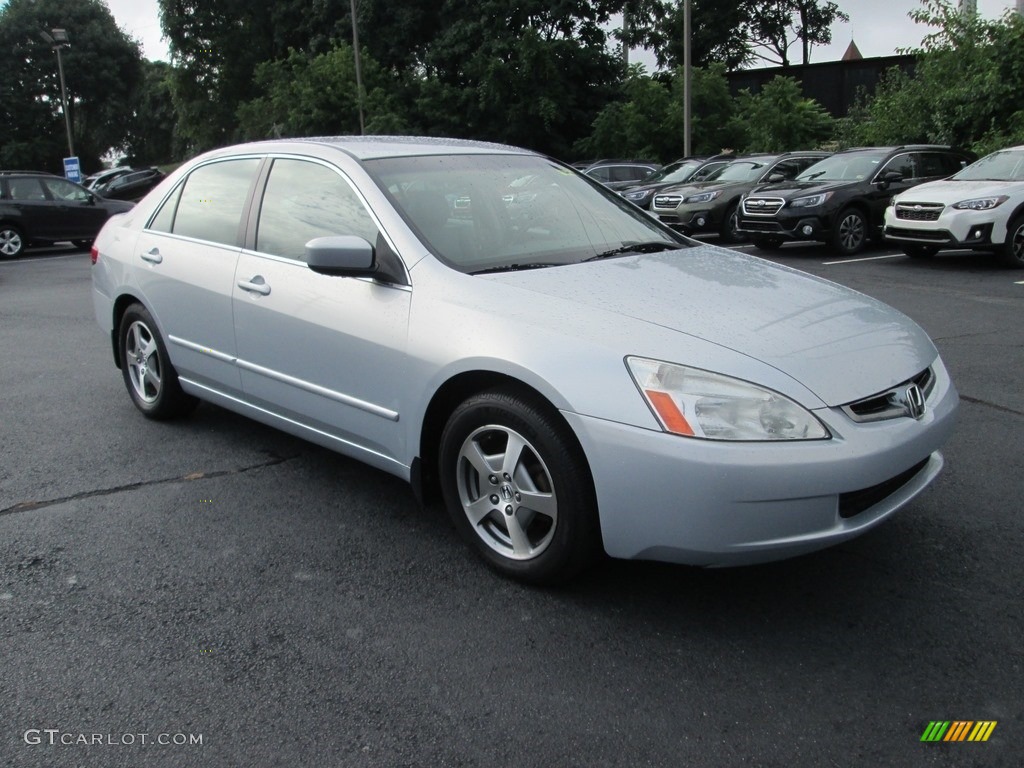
[[855, 502], [762, 206], [751, 225], [934, 236], [667, 201], [919, 211], [888, 404]]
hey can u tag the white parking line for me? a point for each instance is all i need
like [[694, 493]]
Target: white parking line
[[866, 258], [1019, 282]]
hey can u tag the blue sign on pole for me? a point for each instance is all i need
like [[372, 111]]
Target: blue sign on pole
[[72, 170]]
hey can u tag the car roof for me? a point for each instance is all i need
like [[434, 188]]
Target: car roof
[[373, 147]]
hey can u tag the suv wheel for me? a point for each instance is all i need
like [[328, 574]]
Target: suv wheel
[[12, 243], [729, 232], [1012, 253], [851, 232]]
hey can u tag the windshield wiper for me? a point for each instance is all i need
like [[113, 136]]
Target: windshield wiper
[[652, 246], [812, 176], [515, 267]]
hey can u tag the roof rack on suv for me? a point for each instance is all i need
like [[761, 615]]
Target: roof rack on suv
[[26, 173]]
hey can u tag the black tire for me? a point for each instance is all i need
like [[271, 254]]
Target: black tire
[[767, 243], [558, 536], [12, 242], [850, 234], [150, 378], [920, 251], [1011, 255], [728, 232]]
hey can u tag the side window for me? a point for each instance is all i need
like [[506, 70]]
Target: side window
[[788, 168], [601, 174], [65, 190], [164, 219], [212, 199], [904, 165], [304, 200], [26, 189], [939, 164]]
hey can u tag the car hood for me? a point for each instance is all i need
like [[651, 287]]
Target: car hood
[[791, 189], [839, 344], [949, 191]]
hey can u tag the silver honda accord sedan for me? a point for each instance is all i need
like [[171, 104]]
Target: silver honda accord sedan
[[568, 374]]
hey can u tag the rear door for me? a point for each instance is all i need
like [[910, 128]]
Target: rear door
[[36, 212], [75, 207], [185, 262]]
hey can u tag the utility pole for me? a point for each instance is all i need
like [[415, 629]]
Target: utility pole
[[59, 39], [687, 76], [359, 71]]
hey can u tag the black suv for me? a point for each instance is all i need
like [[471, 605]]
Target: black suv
[[39, 208], [842, 199], [711, 205]]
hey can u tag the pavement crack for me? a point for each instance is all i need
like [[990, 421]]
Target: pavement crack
[[987, 404], [26, 506]]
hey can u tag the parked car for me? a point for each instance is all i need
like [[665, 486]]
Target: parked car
[[980, 208], [132, 186], [39, 208], [615, 173], [98, 181], [842, 199], [711, 205], [690, 169], [600, 383]]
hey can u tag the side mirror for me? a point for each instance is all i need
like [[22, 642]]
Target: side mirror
[[775, 178], [341, 256], [889, 177]]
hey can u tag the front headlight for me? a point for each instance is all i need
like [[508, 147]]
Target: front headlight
[[696, 403], [703, 197], [811, 201], [636, 196], [980, 203]]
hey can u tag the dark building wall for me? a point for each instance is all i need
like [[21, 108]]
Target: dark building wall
[[834, 84]]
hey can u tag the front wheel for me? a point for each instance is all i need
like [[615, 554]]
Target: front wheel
[[851, 232], [729, 231], [12, 242], [148, 374], [518, 488], [1012, 253]]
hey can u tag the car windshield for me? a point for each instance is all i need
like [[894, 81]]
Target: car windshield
[[740, 170], [844, 167], [674, 172], [1007, 165], [482, 212]]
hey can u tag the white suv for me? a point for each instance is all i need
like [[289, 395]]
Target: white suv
[[980, 208]]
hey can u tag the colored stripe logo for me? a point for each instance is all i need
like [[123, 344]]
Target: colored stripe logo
[[958, 730]]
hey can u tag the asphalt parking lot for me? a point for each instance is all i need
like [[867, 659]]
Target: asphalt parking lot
[[214, 578]]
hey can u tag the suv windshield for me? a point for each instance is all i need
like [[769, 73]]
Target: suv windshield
[[492, 212], [853, 166], [675, 172], [1007, 165], [742, 170]]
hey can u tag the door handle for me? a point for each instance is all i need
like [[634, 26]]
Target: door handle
[[256, 285], [152, 255]]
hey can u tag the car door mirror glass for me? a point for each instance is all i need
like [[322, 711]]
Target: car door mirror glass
[[775, 178], [341, 255]]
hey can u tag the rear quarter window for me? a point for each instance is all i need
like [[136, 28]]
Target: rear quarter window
[[212, 199]]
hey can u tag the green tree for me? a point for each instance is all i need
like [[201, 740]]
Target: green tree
[[780, 118], [303, 96], [965, 89], [151, 126], [102, 70]]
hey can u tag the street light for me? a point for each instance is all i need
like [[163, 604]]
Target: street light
[[59, 39]]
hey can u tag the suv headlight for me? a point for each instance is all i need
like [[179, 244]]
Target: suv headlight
[[641, 195], [703, 197], [980, 203], [697, 403], [811, 201]]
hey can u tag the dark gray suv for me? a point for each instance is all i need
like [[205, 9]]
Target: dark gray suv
[[37, 208]]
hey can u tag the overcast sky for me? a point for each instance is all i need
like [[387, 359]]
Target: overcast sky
[[878, 26]]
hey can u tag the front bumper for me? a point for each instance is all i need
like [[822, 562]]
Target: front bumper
[[952, 229], [689, 219], [804, 227], [699, 502]]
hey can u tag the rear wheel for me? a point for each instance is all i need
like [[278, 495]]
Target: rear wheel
[[1012, 253], [768, 243], [148, 374], [851, 232], [920, 251], [517, 487], [12, 242]]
